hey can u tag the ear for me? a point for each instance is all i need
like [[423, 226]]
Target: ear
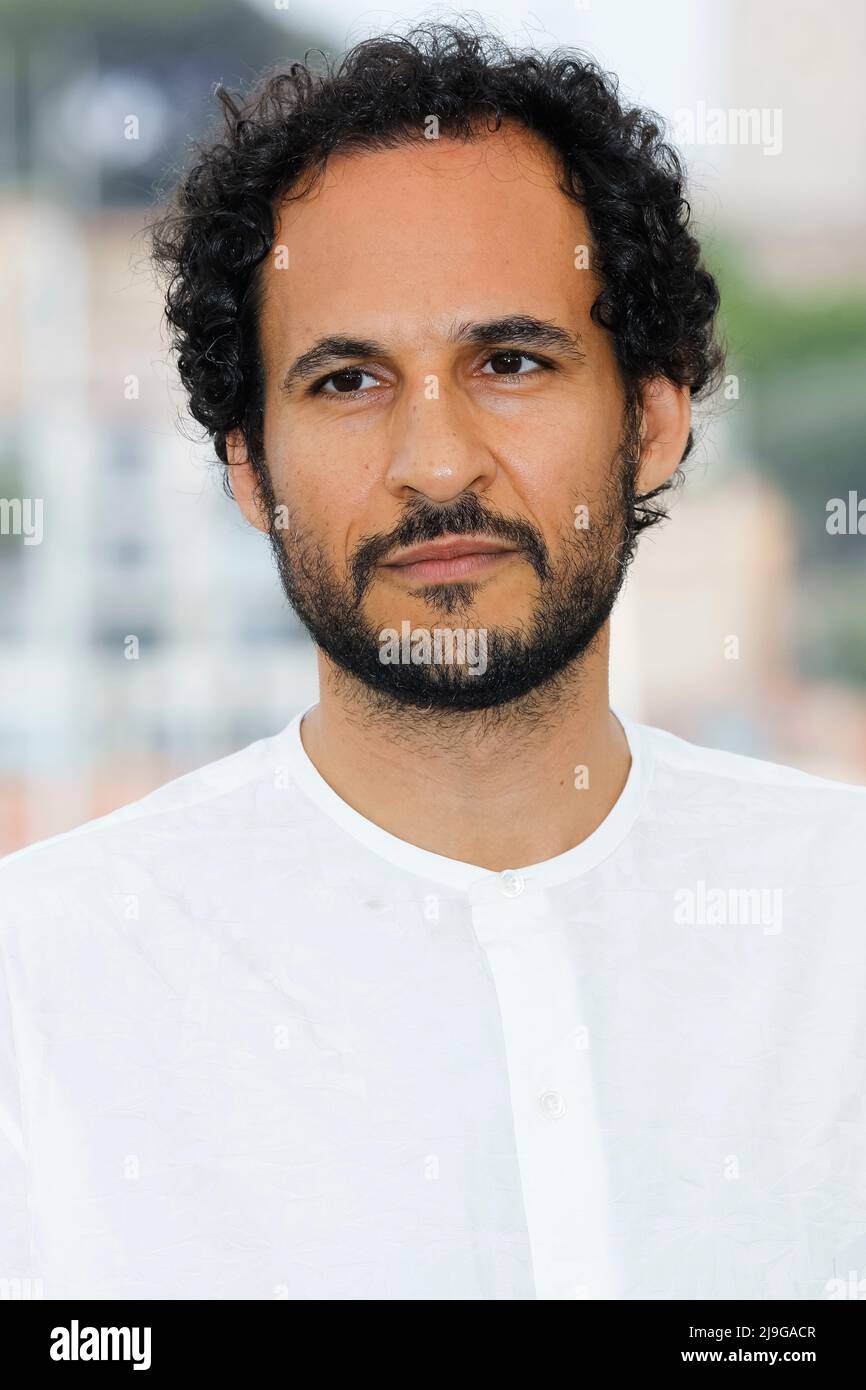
[[667, 419], [243, 479]]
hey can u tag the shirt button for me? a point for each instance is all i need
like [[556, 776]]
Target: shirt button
[[511, 884], [553, 1104]]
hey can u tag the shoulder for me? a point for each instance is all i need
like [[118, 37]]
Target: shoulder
[[157, 835], [679, 756], [751, 798]]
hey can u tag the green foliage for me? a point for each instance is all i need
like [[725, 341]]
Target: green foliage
[[766, 329], [801, 420]]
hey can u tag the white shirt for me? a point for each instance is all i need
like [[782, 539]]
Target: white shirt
[[258, 1047]]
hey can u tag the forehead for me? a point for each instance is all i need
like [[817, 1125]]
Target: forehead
[[427, 231]]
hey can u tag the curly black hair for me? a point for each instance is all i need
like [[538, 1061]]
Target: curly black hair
[[658, 300]]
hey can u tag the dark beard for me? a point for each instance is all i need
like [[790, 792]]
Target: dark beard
[[575, 597]]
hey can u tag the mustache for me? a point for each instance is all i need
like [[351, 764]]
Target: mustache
[[425, 522]]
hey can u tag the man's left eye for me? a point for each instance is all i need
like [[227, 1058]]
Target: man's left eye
[[509, 363]]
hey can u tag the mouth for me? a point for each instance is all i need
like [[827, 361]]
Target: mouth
[[449, 560]]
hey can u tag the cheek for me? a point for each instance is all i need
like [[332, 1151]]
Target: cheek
[[317, 498], [571, 433], [294, 474], [554, 467], [317, 472]]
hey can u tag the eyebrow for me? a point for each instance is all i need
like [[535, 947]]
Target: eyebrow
[[519, 330]]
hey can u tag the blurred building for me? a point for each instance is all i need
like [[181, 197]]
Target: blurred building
[[135, 625], [705, 635], [799, 214]]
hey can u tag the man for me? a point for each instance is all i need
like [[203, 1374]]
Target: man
[[461, 986]]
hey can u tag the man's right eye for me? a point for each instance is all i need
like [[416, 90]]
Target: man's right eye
[[347, 382]]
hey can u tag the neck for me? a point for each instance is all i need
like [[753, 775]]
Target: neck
[[496, 788]]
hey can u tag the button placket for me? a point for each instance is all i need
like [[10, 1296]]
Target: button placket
[[536, 976]]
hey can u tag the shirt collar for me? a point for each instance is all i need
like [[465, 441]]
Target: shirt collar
[[480, 883]]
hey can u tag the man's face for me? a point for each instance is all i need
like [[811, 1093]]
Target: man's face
[[432, 425]]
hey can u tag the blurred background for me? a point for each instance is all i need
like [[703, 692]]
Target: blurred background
[[142, 628]]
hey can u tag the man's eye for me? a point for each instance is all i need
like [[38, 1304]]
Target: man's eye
[[509, 363], [346, 383], [349, 381]]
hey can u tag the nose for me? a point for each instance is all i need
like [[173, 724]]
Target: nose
[[437, 449]]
